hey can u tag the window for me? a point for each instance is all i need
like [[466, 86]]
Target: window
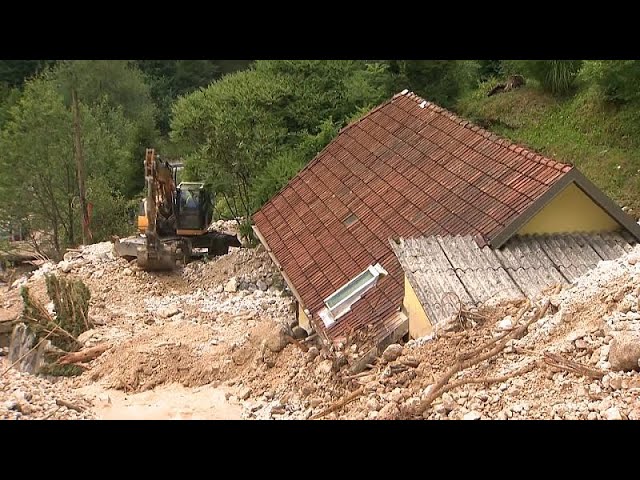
[[339, 302]]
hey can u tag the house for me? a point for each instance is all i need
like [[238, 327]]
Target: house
[[445, 273], [411, 169]]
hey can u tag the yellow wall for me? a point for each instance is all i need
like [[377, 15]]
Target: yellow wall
[[419, 324], [570, 211], [303, 320]]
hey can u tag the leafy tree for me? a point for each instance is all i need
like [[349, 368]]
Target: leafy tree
[[440, 81], [109, 86], [15, 72], [618, 80]]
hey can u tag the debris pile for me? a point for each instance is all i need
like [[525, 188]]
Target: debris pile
[[26, 396]]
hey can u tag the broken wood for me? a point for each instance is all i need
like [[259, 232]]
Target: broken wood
[[83, 356], [466, 360], [69, 405], [337, 406], [297, 343], [557, 361]]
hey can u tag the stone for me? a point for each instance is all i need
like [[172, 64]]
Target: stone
[[299, 333], [277, 339], [581, 344], [392, 352], [85, 336], [127, 271], [231, 286], [10, 405], [506, 323], [472, 415], [218, 289], [389, 412], [324, 367], [592, 416], [244, 393], [262, 285], [65, 266], [277, 410], [315, 402], [634, 414], [312, 353], [615, 383], [624, 353], [169, 311], [612, 414]]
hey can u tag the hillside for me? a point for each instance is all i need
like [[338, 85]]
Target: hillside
[[600, 139]]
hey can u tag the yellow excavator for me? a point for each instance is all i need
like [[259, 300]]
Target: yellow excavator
[[173, 221]]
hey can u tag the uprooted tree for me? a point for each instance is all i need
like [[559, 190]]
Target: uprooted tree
[[71, 304]]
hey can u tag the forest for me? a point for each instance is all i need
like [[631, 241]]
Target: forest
[[246, 127]]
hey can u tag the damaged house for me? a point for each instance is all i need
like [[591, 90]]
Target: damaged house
[[363, 234]]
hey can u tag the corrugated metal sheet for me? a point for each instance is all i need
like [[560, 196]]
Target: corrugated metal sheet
[[445, 271]]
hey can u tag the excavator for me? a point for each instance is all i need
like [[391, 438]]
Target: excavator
[[173, 220]]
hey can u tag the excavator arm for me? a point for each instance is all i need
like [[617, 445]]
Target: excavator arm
[[153, 255]]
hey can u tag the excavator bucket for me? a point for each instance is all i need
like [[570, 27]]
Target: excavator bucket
[[157, 259]]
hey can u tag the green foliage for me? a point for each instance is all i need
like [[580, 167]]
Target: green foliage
[[439, 81], [15, 72], [38, 180], [555, 76], [71, 303], [618, 80], [172, 78]]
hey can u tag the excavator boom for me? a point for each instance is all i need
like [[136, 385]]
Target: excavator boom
[[153, 255]]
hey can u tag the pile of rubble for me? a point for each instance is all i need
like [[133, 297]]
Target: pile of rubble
[[26, 396], [579, 360]]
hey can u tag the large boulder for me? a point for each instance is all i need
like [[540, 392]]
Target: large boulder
[[624, 351], [392, 352]]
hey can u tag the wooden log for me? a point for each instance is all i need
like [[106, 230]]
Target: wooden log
[[84, 355]]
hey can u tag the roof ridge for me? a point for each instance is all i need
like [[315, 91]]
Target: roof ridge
[[497, 139]]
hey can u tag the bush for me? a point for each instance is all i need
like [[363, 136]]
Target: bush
[[618, 80], [555, 76]]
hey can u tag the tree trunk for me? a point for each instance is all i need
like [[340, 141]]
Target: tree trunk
[[77, 143]]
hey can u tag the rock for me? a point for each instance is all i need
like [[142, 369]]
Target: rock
[[592, 416], [612, 414], [299, 333], [389, 412], [169, 311], [127, 271], [373, 405], [262, 285], [65, 266], [277, 340], [10, 405], [624, 353], [218, 289], [506, 323], [392, 352], [472, 415], [448, 402], [24, 408], [312, 353], [634, 414], [244, 393], [277, 410], [615, 383], [581, 344], [231, 286], [324, 368], [315, 402], [85, 336]]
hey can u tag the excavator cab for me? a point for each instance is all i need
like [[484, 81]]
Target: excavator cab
[[193, 209]]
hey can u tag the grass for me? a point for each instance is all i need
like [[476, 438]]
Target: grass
[[602, 141]]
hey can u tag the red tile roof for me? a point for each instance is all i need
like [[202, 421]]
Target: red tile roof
[[408, 168]]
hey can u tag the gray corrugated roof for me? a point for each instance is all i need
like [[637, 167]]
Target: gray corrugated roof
[[447, 270]]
